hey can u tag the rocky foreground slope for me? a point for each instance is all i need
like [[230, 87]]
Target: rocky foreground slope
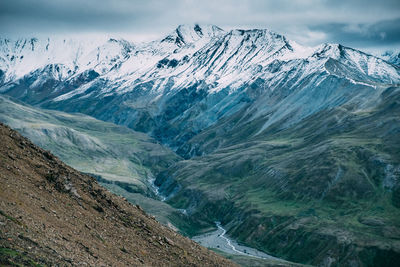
[[51, 214]]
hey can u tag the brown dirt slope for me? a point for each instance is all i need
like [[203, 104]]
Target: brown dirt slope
[[51, 214]]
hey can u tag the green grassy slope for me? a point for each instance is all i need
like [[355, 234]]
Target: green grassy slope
[[326, 189]]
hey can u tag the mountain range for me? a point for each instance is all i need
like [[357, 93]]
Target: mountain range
[[294, 149], [175, 87]]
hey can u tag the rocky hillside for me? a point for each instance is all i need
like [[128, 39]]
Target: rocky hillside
[[51, 214]]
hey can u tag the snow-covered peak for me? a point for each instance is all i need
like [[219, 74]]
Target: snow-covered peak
[[200, 30], [327, 50], [355, 65], [187, 34], [22, 56], [391, 57], [262, 34]]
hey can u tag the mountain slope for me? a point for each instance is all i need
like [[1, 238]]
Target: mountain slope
[[326, 189], [115, 153], [53, 215]]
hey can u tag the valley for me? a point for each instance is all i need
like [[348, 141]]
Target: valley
[[52, 130]]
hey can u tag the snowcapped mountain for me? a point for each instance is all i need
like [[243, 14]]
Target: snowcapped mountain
[[178, 85], [20, 57], [391, 57]]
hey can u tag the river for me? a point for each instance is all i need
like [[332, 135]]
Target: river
[[219, 240]]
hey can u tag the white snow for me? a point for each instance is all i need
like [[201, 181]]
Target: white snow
[[205, 53]]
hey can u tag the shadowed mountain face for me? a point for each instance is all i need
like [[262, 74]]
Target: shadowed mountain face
[[392, 57], [175, 87], [53, 215], [294, 149]]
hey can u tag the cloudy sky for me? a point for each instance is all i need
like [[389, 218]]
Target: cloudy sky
[[371, 25]]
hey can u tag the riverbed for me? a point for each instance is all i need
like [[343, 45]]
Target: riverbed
[[219, 240]]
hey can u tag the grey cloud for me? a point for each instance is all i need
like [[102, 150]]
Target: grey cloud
[[43, 15], [386, 32], [307, 21]]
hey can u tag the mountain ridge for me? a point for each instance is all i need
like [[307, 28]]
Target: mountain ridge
[[84, 56], [213, 77]]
